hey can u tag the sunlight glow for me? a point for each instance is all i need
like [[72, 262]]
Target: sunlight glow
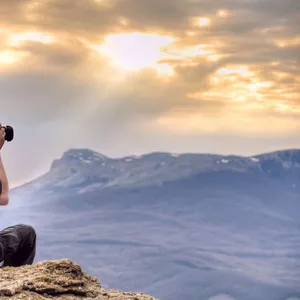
[[124, 21], [135, 51], [256, 85], [275, 63], [236, 84], [282, 107], [185, 55], [164, 70], [214, 57], [197, 50], [9, 57], [280, 74], [223, 13], [33, 36], [190, 33], [295, 41], [241, 70], [182, 122], [201, 21], [104, 3]]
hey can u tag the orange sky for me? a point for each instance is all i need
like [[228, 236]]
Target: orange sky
[[134, 76]]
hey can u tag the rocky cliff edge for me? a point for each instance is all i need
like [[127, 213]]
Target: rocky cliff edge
[[56, 279]]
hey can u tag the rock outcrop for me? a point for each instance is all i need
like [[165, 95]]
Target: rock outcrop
[[56, 279]]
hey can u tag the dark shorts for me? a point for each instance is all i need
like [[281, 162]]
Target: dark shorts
[[17, 245]]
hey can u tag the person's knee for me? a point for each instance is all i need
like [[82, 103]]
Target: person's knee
[[28, 229]]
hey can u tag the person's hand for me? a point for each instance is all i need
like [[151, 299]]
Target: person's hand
[[2, 136]]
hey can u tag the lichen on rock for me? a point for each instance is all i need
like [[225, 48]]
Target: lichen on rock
[[56, 279]]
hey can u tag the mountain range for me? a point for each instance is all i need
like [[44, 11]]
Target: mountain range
[[176, 226], [82, 170]]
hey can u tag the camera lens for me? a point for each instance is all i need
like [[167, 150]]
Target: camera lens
[[9, 133]]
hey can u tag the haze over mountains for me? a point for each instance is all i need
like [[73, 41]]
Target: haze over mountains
[[177, 226]]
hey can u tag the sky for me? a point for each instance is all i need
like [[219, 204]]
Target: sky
[[126, 77]]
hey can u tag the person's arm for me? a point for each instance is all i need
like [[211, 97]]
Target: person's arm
[[4, 199], [4, 184]]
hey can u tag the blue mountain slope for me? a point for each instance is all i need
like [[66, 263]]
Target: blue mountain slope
[[190, 226]]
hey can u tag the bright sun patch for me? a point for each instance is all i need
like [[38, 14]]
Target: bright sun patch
[[135, 51]]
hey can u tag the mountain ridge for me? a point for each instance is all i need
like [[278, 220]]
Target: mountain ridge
[[72, 151], [81, 169]]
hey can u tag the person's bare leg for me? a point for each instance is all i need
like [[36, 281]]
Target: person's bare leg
[[17, 245]]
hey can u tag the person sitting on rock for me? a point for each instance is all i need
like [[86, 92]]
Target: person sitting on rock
[[18, 242]]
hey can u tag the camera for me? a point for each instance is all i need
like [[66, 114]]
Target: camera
[[9, 133]]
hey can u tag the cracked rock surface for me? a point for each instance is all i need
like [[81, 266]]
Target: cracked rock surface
[[56, 279]]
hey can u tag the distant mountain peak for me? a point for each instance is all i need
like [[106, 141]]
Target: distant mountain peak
[[84, 153], [80, 155]]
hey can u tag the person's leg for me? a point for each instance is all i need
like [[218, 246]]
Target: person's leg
[[17, 245]]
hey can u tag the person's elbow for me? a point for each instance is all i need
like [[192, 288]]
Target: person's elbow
[[4, 199]]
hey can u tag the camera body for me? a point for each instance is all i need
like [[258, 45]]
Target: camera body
[[9, 133]]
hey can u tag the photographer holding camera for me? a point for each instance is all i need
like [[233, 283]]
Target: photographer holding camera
[[18, 242]]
